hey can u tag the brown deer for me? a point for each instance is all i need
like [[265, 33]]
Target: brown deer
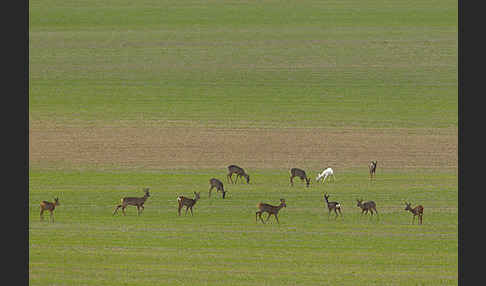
[[215, 183], [332, 206], [372, 168], [187, 202], [271, 210], [417, 211], [48, 206], [133, 201], [296, 172], [233, 169], [367, 206]]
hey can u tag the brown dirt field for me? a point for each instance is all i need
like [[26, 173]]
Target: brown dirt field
[[54, 145]]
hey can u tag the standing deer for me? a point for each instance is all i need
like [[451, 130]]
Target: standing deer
[[332, 206], [372, 168], [417, 211], [296, 172], [187, 202], [367, 206], [271, 210], [48, 206], [233, 169], [133, 201], [215, 183]]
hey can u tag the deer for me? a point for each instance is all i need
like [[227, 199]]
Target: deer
[[187, 202], [332, 206], [296, 172], [233, 169], [324, 174], [367, 206], [271, 210], [215, 183], [417, 211], [48, 206], [372, 168], [133, 201]]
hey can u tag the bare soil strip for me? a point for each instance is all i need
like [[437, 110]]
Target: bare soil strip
[[152, 147]]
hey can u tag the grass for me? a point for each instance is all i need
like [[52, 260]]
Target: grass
[[330, 64], [223, 244], [305, 63]]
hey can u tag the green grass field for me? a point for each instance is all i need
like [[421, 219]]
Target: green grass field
[[340, 65], [222, 244]]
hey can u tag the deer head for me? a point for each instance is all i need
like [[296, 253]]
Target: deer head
[[307, 180], [146, 190], [56, 202], [282, 203], [359, 203], [408, 206], [326, 196], [196, 196]]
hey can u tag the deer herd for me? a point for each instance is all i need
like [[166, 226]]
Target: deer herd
[[183, 201]]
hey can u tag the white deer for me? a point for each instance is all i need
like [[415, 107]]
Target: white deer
[[326, 173]]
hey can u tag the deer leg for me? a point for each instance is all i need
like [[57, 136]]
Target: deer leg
[[260, 215], [41, 216], [191, 211], [276, 217], [291, 181], [51, 217], [335, 211], [179, 210], [210, 188], [268, 217]]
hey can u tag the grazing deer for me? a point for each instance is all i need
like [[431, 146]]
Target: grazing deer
[[233, 169], [367, 206], [326, 173], [332, 206], [271, 210], [372, 168], [133, 201], [48, 206], [187, 202], [417, 211], [296, 172], [215, 183]]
